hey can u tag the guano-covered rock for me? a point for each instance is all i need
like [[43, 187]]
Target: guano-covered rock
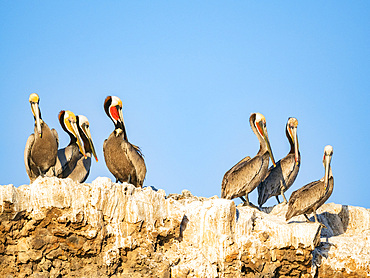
[[59, 228]]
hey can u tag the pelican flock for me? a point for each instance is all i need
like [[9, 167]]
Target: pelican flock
[[126, 162]]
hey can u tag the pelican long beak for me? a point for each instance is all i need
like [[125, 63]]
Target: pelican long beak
[[326, 162], [266, 138], [79, 140], [122, 122], [120, 115], [270, 151], [36, 112], [87, 131], [295, 142]]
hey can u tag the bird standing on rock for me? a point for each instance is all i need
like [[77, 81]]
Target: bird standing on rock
[[68, 156], [313, 195], [280, 178], [82, 168], [248, 173], [123, 159], [40, 153]]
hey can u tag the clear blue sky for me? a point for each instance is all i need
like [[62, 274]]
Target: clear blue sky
[[189, 74]]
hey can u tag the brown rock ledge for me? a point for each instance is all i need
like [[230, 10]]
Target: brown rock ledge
[[59, 228]]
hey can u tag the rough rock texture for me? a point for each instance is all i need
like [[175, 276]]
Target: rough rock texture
[[59, 228]]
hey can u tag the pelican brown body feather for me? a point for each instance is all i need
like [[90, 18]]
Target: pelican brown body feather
[[248, 173], [244, 177], [309, 198], [40, 153], [280, 178], [69, 156], [82, 168], [123, 159], [313, 195]]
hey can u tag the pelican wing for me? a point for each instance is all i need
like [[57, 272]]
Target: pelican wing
[[270, 186], [55, 133], [239, 165], [27, 155], [283, 174], [238, 177], [289, 170], [138, 150], [66, 161], [134, 155], [305, 199], [82, 169], [236, 167]]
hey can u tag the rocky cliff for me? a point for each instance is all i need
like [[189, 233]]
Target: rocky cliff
[[59, 228]]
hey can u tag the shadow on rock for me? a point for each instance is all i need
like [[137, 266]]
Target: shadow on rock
[[336, 223]]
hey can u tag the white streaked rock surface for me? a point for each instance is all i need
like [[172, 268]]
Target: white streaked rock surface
[[193, 236]]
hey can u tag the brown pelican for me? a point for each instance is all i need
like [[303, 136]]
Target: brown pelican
[[280, 178], [244, 177], [41, 149], [313, 195], [82, 169], [68, 156], [124, 160]]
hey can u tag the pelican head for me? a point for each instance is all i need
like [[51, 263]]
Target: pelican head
[[258, 124], [113, 108], [68, 121], [84, 129], [291, 128], [328, 153], [34, 101]]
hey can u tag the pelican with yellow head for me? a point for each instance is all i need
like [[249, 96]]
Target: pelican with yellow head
[[40, 153], [68, 156], [82, 169]]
